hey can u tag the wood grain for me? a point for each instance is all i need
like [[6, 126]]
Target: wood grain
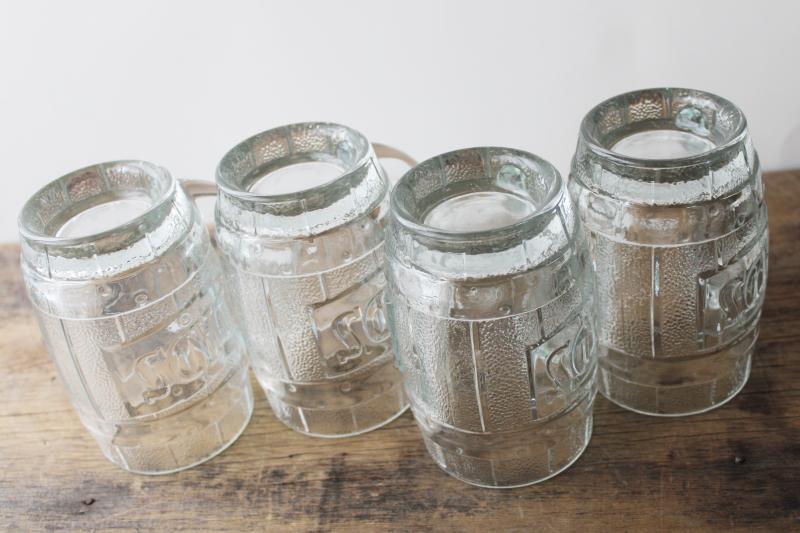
[[736, 468]]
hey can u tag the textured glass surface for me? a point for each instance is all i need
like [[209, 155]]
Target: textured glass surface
[[134, 316], [304, 254], [669, 187], [492, 316]]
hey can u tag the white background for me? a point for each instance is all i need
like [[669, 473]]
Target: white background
[[178, 83]]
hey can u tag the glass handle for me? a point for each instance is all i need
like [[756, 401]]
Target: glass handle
[[197, 188], [384, 151]]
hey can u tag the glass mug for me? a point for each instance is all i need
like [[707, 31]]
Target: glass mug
[[128, 294], [300, 219], [669, 188], [491, 314]]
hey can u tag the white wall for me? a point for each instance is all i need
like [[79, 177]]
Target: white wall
[[180, 82]]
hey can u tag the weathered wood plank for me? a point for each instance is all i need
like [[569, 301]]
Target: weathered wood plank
[[736, 468]]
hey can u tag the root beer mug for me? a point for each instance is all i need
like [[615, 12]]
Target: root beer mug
[[300, 220], [492, 315], [132, 306], [669, 187]]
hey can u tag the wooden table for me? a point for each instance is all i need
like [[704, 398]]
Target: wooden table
[[735, 468]]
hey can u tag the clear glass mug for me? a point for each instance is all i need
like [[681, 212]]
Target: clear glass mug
[[669, 188], [491, 314], [300, 219], [129, 296]]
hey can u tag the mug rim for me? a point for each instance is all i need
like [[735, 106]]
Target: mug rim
[[401, 215], [363, 158], [594, 144], [153, 170]]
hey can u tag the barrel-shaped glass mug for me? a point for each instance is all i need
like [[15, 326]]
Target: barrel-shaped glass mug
[[129, 296], [492, 316], [669, 188], [300, 220]]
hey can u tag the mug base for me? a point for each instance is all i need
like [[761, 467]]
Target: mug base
[[200, 432], [680, 387], [518, 459], [344, 422]]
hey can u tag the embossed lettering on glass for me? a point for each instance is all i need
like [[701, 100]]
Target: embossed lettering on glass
[[492, 316], [300, 218], [669, 187], [128, 293]]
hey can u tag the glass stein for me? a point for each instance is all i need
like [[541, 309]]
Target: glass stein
[[128, 293], [669, 187], [300, 219], [491, 315]]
